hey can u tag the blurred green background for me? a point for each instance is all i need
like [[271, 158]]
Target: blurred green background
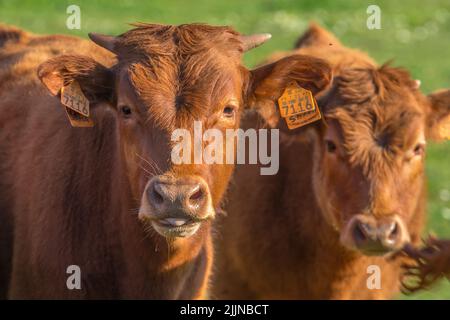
[[415, 33]]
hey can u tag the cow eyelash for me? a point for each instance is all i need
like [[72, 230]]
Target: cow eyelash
[[331, 146]]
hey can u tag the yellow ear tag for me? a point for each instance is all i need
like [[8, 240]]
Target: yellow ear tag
[[298, 106], [76, 105]]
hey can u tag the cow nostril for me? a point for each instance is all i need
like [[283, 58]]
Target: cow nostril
[[157, 197], [393, 231], [359, 233]]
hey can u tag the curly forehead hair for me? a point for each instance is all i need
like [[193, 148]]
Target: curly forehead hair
[[377, 109], [185, 39]]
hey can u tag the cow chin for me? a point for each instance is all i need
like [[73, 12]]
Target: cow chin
[[176, 207], [373, 236]]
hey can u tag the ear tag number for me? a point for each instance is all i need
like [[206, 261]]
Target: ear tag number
[[298, 106], [78, 120], [76, 105]]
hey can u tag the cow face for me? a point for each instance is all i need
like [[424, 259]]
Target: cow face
[[167, 77], [369, 156]]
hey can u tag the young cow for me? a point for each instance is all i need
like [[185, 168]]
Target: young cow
[[350, 189], [102, 212]]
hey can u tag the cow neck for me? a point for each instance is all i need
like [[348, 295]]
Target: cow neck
[[307, 218]]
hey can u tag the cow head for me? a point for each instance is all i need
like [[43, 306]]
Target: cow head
[[370, 152], [166, 77]]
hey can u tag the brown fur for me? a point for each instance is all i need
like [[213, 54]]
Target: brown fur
[[430, 264], [70, 195], [287, 236]]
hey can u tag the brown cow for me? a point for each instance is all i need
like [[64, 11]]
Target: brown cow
[[430, 264], [349, 191], [72, 196]]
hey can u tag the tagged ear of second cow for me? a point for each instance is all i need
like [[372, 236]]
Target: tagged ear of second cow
[[308, 72]]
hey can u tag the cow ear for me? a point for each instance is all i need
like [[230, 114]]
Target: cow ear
[[95, 80], [439, 117], [267, 83]]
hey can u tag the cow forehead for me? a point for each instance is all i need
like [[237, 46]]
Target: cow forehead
[[372, 134], [181, 84], [384, 124], [171, 75], [377, 106], [182, 63], [174, 95]]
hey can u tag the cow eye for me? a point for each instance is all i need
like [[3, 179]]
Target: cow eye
[[330, 145], [419, 149], [126, 111], [229, 111]]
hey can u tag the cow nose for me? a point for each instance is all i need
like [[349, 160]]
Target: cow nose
[[169, 197], [176, 207], [375, 238], [178, 199]]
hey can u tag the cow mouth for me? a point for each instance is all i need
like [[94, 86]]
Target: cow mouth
[[375, 252], [176, 227]]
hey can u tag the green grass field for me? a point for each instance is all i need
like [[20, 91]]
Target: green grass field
[[416, 35]]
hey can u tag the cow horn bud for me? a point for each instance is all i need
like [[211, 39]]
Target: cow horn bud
[[255, 40], [104, 41]]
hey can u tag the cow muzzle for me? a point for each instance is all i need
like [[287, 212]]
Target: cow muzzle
[[375, 236], [176, 207]]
